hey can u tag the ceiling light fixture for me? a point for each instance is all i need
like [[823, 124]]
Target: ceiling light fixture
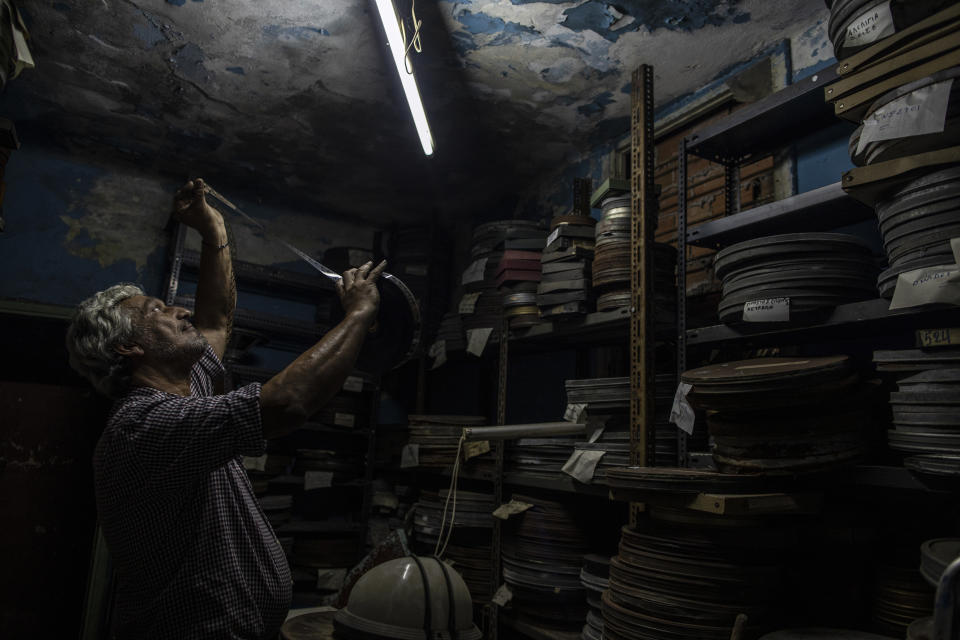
[[391, 24]]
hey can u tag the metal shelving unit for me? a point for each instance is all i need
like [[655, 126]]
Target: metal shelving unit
[[844, 320], [748, 134], [828, 207]]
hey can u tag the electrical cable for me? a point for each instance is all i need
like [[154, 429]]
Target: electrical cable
[[415, 42], [452, 492]]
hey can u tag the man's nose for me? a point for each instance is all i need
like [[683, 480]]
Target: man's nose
[[181, 313]]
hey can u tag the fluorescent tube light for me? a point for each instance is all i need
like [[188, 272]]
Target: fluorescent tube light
[[388, 16]]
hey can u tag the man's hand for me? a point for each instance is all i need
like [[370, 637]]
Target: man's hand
[[190, 207], [358, 290]]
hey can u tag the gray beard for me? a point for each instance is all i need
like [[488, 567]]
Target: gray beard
[[187, 354]]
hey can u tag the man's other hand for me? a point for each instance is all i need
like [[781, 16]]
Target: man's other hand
[[190, 207], [358, 290]]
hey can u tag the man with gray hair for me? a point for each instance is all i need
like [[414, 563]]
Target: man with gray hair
[[195, 555]]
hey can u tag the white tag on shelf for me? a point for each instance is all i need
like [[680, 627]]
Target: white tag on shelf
[[477, 340], [576, 412], [918, 113], [331, 579], [258, 463], [317, 480], [927, 286], [502, 596], [553, 235], [468, 303], [870, 26], [385, 500], [353, 383], [474, 273], [415, 269], [410, 456], [344, 419], [511, 508], [681, 413], [595, 432], [768, 310], [474, 449], [582, 465], [438, 351]]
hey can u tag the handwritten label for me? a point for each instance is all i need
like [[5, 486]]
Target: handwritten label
[[595, 431], [344, 419], [415, 269], [474, 449], [477, 340], [317, 480], [681, 413], [870, 26], [769, 310], [502, 596], [468, 303], [258, 463], [331, 579], [474, 272], [553, 236], [438, 351], [410, 456], [511, 508], [575, 412], [353, 383], [918, 113], [938, 337], [931, 285], [583, 464]]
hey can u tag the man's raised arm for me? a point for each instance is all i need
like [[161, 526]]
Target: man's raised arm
[[301, 389], [216, 289]]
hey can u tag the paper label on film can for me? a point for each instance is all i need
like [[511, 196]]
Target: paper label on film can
[[767, 310], [410, 456], [353, 383], [870, 26], [317, 480], [474, 272], [920, 112], [344, 419], [468, 303]]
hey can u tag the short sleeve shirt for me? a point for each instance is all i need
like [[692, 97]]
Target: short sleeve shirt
[[194, 553]]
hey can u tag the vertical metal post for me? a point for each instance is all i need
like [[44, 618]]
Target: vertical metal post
[[176, 262], [681, 284], [582, 188], [498, 471], [643, 223], [731, 187], [371, 455]]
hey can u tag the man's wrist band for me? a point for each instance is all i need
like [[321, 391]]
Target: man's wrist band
[[215, 246]]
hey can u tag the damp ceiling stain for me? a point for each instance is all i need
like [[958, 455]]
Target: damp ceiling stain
[[294, 102]]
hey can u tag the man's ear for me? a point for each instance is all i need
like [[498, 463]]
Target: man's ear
[[128, 350]]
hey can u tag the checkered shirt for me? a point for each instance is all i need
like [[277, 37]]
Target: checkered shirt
[[194, 553]]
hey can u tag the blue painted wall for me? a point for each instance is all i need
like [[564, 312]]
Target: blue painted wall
[[76, 226], [46, 255]]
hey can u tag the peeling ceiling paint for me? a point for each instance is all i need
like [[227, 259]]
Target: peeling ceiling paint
[[295, 102]]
